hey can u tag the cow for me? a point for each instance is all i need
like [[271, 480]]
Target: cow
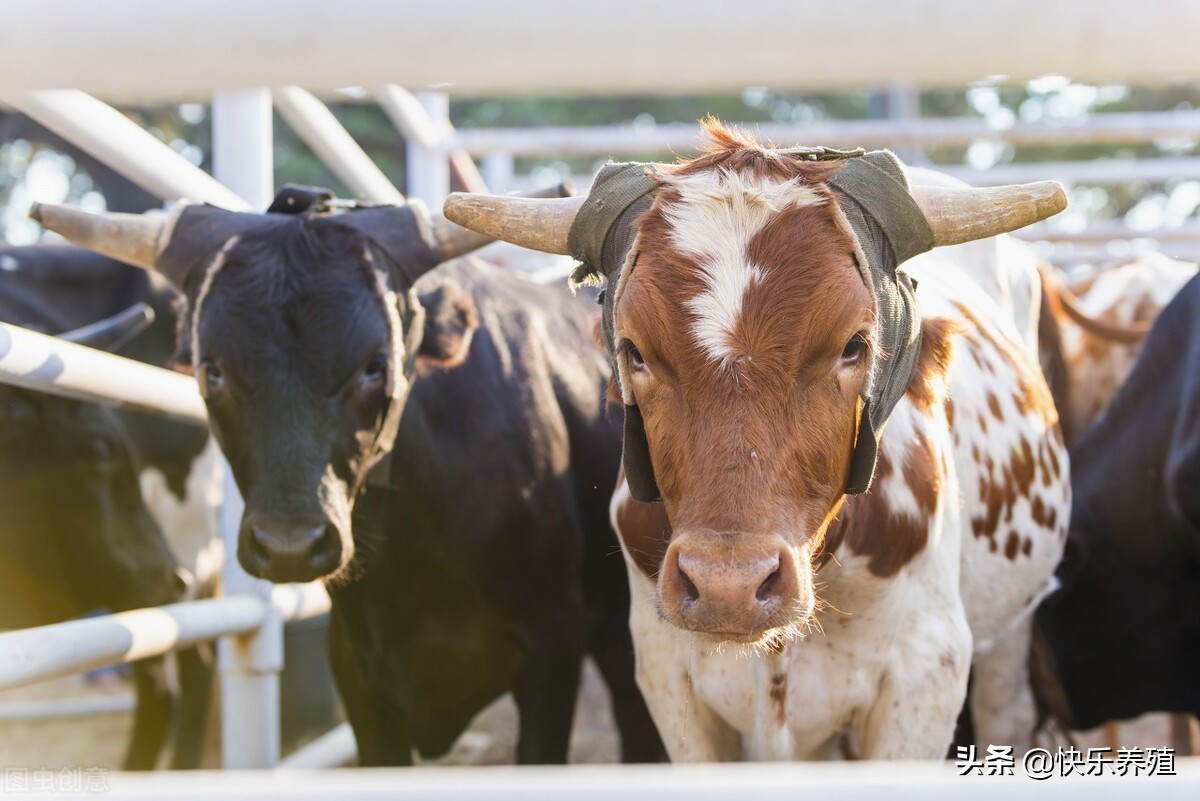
[[75, 536], [51, 288], [1125, 626], [463, 541], [759, 331], [1100, 329]]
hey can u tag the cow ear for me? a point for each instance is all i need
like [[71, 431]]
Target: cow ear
[[450, 322]]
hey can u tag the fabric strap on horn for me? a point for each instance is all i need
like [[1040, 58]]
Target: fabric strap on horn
[[876, 211], [600, 238], [889, 228]]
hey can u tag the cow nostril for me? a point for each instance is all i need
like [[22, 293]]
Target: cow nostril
[[325, 546], [768, 588], [691, 593], [258, 544]]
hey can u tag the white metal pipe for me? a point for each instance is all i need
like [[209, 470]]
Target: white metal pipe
[[32, 655], [243, 142], [616, 140], [335, 748], [248, 666], [314, 123], [300, 601], [409, 116], [428, 167], [47, 364], [1107, 231], [29, 656], [416, 126], [50, 708], [931, 780], [113, 138], [540, 47], [1092, 171]]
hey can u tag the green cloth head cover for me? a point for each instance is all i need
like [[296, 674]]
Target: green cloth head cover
[[874, 208]]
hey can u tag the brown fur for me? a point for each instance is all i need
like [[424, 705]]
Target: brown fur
[[645, 531], [703, 419]]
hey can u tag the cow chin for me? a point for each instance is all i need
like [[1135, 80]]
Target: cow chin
[[730, 588]]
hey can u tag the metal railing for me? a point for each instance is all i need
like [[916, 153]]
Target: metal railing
[[250, 626]]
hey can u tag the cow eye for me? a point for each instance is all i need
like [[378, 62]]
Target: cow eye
[[211, 376], [854, 349], [635, 355], [376, 369]]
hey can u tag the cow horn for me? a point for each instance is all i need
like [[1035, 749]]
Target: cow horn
[[534, 223], [956, 215], [963, 214], [456, 237], [113, 333], [135, 239]]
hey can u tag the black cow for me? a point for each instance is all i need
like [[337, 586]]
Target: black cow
[[474, 559], [75, 536], [54, 287], [1125, 627]]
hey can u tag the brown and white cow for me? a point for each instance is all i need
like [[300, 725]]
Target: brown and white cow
[[773, 616], [1101, 325]]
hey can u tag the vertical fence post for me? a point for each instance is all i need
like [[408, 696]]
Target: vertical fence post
[[429, 167], [499, 172], [249, 665]]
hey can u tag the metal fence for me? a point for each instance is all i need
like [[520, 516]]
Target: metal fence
[[248, 621], [249, 625]]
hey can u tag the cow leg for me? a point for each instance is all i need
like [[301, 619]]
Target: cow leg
[[613, 652], [1003, 704], [152, 716], [916, 712], [379, 730], [545, 696], [195, 691]]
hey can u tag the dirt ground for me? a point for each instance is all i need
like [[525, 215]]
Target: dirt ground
[[99, 740]]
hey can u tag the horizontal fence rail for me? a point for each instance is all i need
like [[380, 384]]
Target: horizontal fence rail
[[895, 781], [625, 139], [29, 656], [47, 364]]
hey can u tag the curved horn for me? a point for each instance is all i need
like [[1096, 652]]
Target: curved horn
[[455, 239], [534, 223], [135, 239], [959, 215], [113, 333]]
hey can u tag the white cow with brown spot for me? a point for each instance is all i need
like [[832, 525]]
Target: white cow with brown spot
[[1101, 324], [774, 617]]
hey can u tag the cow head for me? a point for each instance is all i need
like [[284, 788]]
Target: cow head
[[302, 329], [745, 335], [74, 532]]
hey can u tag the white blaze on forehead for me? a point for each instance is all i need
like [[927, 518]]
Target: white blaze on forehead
[[210, 274], [713, 221]]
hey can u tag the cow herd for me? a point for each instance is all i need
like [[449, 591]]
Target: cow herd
[[830, 399]]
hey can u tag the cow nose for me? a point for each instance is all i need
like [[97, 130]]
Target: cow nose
[[719, 589], [282, 550]]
